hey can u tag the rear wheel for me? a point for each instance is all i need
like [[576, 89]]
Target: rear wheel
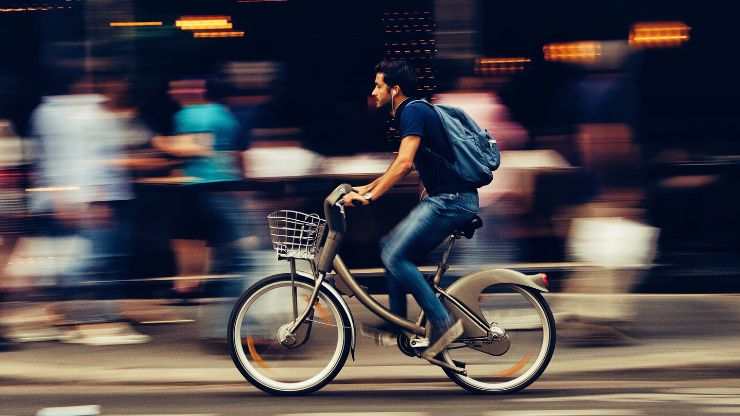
[[527, 320], [315, 354]]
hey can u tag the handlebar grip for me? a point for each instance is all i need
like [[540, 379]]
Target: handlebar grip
[[334, 219], [336, 222], [337, 194]]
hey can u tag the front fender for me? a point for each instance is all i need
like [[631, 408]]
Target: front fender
[[334, 292]]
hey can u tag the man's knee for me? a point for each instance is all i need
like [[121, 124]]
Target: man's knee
[[391, 256], [386, 253]]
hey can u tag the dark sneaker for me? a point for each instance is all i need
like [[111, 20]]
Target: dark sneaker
[[442, 339]]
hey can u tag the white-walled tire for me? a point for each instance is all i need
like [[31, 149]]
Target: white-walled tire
[[528, 320], [323, 344]]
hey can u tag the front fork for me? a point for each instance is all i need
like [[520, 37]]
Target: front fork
[[286, 334]]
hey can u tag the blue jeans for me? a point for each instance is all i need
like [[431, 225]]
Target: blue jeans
[[110, 246], [224, 215], [426, 226], [225, 219]]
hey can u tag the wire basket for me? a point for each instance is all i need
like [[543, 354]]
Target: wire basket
[[295, 234]]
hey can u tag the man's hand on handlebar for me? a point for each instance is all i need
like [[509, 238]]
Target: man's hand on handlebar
[[353, 199], [362, 190]]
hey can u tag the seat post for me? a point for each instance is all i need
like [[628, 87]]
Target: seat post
[[443, 266]]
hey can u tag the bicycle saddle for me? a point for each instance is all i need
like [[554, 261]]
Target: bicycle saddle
[[469, 228]]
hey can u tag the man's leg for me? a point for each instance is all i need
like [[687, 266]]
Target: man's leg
[[99, 322], [227, 222], [396, 295], [426, 226], [227, 234], [418, 234]]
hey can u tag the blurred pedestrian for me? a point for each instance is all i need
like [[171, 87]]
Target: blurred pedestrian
[[207, 140], [12, 210], [88, 196]]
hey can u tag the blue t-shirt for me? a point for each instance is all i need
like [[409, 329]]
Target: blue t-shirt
[[435, 155], [217, 120]]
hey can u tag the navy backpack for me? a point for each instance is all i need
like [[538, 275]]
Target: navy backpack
[[475, 151]]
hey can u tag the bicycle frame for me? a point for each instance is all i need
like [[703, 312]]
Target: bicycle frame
[[329, 256], [415, 327]]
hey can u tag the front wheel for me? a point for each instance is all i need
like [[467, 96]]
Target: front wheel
[[317, 351], [528, 322]]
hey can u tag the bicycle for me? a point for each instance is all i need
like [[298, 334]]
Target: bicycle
[[291, 333]]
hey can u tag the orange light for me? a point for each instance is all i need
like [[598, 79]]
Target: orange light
[[229, 34], [490, 66], [204, 22], [572, 51], [204, 17], [487, 61], [134, 24], [659, 34]]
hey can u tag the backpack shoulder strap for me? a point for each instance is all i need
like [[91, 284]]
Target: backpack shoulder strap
[[444, 129], [420, 100]]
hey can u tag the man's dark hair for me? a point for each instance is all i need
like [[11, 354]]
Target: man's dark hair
[[399, 73]]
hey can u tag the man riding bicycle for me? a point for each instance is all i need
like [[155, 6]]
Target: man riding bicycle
[[450, 203]]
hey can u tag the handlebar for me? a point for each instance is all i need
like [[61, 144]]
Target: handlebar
[[336, 221], [340, 204]]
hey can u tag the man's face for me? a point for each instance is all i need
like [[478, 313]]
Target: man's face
[[381, 92]]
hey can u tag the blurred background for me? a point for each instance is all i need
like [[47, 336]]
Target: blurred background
[[142, 144]]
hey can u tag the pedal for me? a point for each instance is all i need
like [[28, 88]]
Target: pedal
[[454, 368], [417, 342]]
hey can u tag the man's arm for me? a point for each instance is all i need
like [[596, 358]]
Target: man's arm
[[400, 167]]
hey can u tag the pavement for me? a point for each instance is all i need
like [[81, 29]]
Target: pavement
[[624, 333]]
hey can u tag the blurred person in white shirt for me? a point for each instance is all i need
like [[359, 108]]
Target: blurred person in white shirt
[[87, 194]]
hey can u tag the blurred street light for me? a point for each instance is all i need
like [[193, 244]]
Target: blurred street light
[[659, 34], [489, 66], [228, 34], [204, 22], [134, 24], [572, 51]]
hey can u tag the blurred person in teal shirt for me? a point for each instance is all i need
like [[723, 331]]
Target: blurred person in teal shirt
[[218, 164], [208, 141]]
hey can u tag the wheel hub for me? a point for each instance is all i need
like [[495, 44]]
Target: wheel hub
[[285, 337], [496, 333]]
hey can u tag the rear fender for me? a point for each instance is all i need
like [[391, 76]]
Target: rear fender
[[468, 289]]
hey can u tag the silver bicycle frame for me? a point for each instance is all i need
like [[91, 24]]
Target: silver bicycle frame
[[330, 259], [374, 306], [344, 275]]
